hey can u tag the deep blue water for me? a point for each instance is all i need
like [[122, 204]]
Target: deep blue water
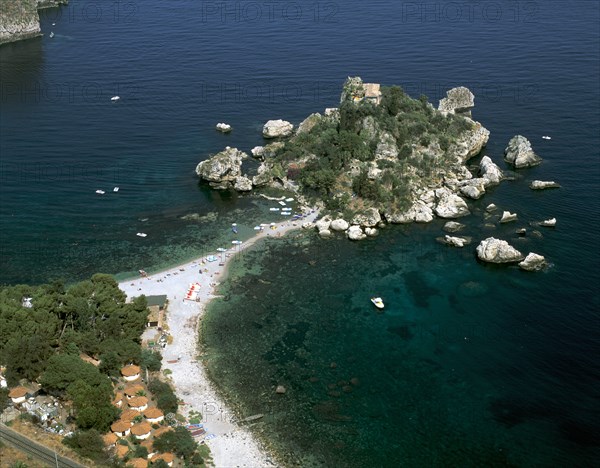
[[182, 66]]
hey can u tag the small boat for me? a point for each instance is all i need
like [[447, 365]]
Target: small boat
[[141, 234], [273, 209], [211, 258], [100, 192], [546, 137], [378, 302], [282, 203], [52, 34], [221, 249], [257, 228], [116, 189], [289, 199], [285, 213], [236, 242], [115, 98]]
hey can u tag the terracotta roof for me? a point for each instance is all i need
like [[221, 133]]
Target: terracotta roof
[[120, 426], [148, 445], [138, 463], [122, 450], [109, 439], [167, 457], [161, 430], [138, 401], [130, 370], [118, 398], [131, 390], [153, 413], [18, 392], [129, 414], [141, 428]]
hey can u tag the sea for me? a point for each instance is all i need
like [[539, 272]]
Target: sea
[[469, 364]]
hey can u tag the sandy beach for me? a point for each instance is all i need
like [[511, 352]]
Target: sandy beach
[[230, 444]]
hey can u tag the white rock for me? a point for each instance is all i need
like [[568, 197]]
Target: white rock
[[450, 205], [339, 225], [324, 233], [355, 233], [323, 223], [455, 241], [491, 208], [533, 262], [497, 251], [258, 151], [453, 226], [542, 184], [548, 222], [371, 232], [369, 217], [490, 171], [277, 128], [507, 217], [242, 184], [520, 154], [223, 127], [308, 225]]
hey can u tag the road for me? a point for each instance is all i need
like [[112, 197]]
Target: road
[[30, 447]]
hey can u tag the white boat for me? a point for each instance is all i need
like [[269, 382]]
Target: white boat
[[115, 98], [378, 302], [282, 203], [273, 209], [546, 137], [141, 234], [285, 213], [236, 242], [100, 192], [116, 189], [211, 258], [257, 228], [221, 249], [51, 34], [289, 199]]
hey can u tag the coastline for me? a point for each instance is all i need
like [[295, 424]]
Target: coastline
[[232, 444]]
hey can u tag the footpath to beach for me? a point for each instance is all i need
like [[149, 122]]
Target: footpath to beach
[[230, 444]]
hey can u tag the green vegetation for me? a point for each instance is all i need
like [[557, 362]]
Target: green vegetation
[[338, 159], [166, 400], [151, 360], [88, 444], [181, 443]]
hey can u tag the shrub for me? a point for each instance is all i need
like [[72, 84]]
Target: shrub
[[88, 444]]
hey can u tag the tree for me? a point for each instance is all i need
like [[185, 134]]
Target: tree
[[88, 444], [178, 441], [93, 407], [151, 360], [64, 369]]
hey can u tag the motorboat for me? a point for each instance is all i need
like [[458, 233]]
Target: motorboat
[[282, 203], [546, 137], [115, 98], [236, 242], [100, 192], [221, 249], [378, 302], [52, 34], [273, 209], [141, 234], [116, 189]]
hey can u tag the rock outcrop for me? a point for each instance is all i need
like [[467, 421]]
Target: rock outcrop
[[494, 250], [507, 217], [449, 205], [542, 185], [533, 262], [339, 225], [548, 222], [223, 169], [471, 142], [490, 171], [242, 184], [223, 127], [308, 123], [368, 218], [473, 188], [355, 233], [277, 128], [458, 101], [520, 154]]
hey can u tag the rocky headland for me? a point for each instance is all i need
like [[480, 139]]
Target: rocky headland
[[19, 19]]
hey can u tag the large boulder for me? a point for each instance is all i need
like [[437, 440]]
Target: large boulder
[[419, 212], [323, 224], [507, 217], [542, 185], [490, 171], [368, 218], [450, 205], [222, 169], [242, 184], [520, 154], [339, 225], [355, 233], [458, 100], [473, 188], [494, 250], [277, 128], [533, 262], [471, 142]]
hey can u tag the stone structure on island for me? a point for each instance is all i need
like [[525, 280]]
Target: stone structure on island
[[520, 154]]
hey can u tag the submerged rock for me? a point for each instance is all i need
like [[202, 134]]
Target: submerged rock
[[542, 184], [491, 208], [533, 262], [494, 250], [277, 128], [453, 226], [280, 389], [454, 241], [520, 154]]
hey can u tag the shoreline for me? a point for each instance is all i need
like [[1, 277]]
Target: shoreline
[[231, 445]]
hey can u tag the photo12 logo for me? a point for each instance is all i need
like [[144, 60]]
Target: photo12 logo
[[470, 12], [115, 11], [268, 11]]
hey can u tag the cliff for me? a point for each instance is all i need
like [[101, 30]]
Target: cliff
[[19, 19]]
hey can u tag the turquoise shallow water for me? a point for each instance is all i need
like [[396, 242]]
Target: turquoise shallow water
[[470, 364]]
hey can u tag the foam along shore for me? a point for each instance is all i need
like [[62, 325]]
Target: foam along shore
[[230, 444]]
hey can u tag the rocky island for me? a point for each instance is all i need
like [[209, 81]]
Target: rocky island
[[380, 157], [19, 19]]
